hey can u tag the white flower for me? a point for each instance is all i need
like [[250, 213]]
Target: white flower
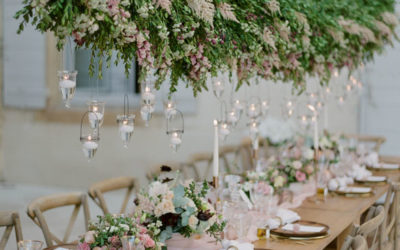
[[308, 153], [297, 164], [124, 227], [157, 188], [279, 181], [193, 222], [166, 206], [113, 229], [247, 186], [277, 131]]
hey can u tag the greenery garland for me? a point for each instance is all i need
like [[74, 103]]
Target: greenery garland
[[193, 39]]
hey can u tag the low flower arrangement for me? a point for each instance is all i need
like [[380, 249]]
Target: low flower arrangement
[[280, 173], [107, 234], [330, 145], [178, 208]]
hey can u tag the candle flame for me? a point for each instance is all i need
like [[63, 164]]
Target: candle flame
[[95, 109], [65, 77], [311, 107], [215, 122], [89, 138]]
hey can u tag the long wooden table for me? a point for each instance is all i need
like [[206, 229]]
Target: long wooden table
[[339, 212]]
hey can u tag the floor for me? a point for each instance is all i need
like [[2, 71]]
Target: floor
[[17, 196]]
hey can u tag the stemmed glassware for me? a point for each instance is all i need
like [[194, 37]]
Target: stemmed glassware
[[126, 123], [128, 243]]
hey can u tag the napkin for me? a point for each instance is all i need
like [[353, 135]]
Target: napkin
[[358, 172], [355, 189], [287, 216], [240, 245], [302, 228], [372, 159], [388, 166], [61, 248], [374, 178], [338, 182]]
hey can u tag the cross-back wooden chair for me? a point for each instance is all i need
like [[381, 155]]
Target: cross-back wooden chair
[[40, 205], [227, 154], [376, 140], [371, 228], [10, 220], [198, 162], [355, 243], [98, 189], [248, 154], [156, 170], [389, 229]]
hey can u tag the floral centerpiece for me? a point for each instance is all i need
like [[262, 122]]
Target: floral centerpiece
[[192, 39], [178, 208], [108, 232], [330, 146], [280, 173]]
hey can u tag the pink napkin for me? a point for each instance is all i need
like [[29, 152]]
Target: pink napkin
[[197, 242], [300, 192]]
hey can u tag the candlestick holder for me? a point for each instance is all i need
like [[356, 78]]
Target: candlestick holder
[[215, 182]]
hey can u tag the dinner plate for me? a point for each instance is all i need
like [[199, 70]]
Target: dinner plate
[[301, 229], [384, 166], [372, 180], [354, 191]]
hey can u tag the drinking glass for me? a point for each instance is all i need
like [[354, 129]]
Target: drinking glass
[[30, 245], [128, 243]]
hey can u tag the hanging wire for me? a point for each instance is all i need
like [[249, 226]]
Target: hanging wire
[[95, 130], [71, 51]]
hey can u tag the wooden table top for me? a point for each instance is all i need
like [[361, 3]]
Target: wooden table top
[[336, 211]]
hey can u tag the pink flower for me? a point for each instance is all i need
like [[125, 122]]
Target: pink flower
[[263, 188], [89, 237], [83, 246], [147, 241], [112, 6], [115, 241], [300, 176]]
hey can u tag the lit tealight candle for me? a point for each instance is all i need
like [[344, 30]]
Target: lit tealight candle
[[175, 139], [67, 83]]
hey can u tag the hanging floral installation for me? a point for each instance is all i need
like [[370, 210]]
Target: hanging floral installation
[[194, 39]]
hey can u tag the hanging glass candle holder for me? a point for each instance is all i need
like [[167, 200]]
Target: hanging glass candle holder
[[67, 85], [288, 108], [175, 129], [126, 123], [148, 101], [224, 124], [253, 107], [232, 118], [254, 133], [89, 139], [264, 107], [218, 87], [341, 100], [169, 107], [238, 106], [96, 113]]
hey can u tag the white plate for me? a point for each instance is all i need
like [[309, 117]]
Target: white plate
[[386, 166], [355, 190], [373, 179]]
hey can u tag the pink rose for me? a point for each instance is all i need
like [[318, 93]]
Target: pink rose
[[263, 188], [146, 240], [89, 237], [300, 176], [83, 246], [115, 241]]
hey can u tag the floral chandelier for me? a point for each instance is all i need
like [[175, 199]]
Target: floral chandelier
[[193, 39]]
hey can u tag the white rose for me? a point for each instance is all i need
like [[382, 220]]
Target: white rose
[[279, 181], [193, 222], [124, 227], [166, 206], [297, 164], [308, 153]]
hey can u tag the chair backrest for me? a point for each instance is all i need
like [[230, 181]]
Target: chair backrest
[[371, 228], [390, 224], [230, 156], [10, 220], [156, 171], [40, 205], [377, 140], [97, 190], [200, 164], [355, 243]]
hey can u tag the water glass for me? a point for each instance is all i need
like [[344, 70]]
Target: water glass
[[30, 245]]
